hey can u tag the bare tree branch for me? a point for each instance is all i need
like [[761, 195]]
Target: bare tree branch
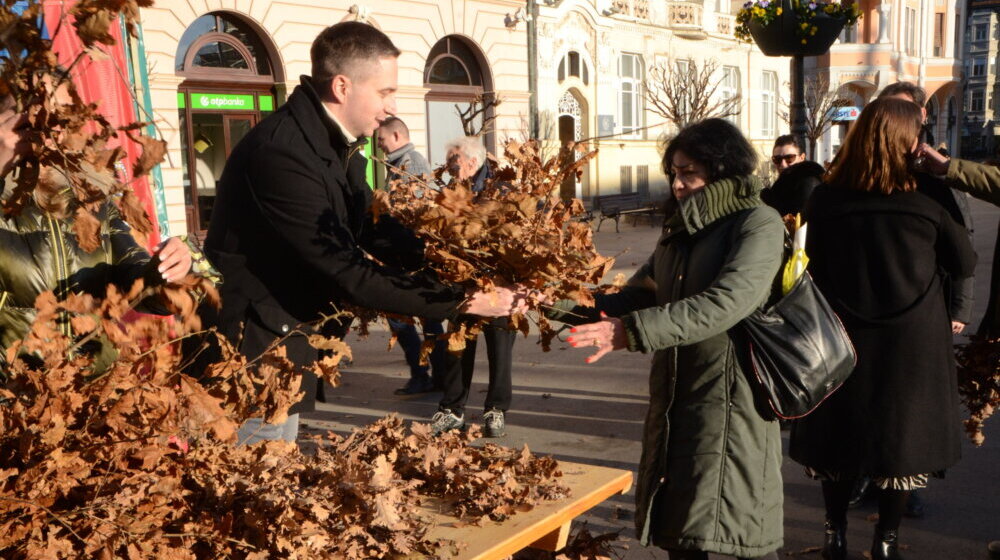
[[820, 101], [481, 105], [685, 92]]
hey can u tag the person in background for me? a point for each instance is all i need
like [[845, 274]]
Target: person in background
[[877, 250], [797, 177], [292, 231], [39, 252], [405, 163], [402, 156], [960, 292], [709, 478], [983, 182], [466, 159]]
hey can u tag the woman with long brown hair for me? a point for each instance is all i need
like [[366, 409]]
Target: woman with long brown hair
[[879, 251]]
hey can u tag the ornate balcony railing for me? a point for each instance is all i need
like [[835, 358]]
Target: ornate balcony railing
[[685, 19], [725, 24]]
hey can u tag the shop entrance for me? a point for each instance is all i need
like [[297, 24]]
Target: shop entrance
[[230, 69]]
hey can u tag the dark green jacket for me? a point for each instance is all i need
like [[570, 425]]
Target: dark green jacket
[[709, 478], [983, 182], [39, 253]]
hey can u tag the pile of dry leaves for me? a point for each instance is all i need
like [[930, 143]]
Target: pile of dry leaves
[[133, 459], [979, 382], [108, 451], [517, 230]]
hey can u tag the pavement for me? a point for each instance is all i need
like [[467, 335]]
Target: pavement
[[594, 414]]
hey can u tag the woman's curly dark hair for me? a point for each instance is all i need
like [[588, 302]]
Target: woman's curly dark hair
[[716, 144]]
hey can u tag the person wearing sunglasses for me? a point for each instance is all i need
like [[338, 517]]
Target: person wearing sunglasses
[[786, 153], [798, 177]]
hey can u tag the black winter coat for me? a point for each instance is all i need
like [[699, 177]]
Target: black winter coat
[[291, 231], [960, 291], [880, 261], [791, 191]]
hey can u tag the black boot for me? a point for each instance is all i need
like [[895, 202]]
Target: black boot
[[835, 542], [862, 489], [885, 545]]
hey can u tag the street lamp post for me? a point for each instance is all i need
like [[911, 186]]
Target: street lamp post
[[782, 37], [797, 109]]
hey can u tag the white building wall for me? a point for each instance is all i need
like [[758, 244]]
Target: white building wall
[[658, 32], [414, 27]]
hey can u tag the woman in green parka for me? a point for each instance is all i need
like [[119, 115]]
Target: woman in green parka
[[709, 478], [39, 250]]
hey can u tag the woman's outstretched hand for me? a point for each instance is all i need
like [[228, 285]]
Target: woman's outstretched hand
[[607, 335]]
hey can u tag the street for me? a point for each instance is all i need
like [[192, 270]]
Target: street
[[594, 414]]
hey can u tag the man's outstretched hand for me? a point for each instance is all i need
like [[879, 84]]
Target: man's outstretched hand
[[501, 302]]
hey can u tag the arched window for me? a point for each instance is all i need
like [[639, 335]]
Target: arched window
[[573, 65], [952, 119], [223, 46], [932, 116], [569, 106], [457, 75], [452, 62], [230, 68]]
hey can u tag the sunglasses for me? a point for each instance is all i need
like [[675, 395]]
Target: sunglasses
[[787, 158]]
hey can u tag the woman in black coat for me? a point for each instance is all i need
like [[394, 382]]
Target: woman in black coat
[[879, 251]]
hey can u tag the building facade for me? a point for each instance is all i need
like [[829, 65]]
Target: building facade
[[594, 58], [216, 67], [979, 124], [919, 41]]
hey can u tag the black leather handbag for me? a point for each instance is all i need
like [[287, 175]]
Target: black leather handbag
[[799, 350]]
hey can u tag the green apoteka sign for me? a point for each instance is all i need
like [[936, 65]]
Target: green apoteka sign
[[222, 101]]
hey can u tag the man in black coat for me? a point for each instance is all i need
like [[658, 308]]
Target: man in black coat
[[797, 177], [291, 230]]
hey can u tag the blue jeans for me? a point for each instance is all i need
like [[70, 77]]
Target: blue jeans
[[411, 342], [255, 430]]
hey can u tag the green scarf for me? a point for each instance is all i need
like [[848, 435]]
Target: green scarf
[[717, 200]]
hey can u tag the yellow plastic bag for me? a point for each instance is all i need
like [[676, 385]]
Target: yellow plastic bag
[[796, 265]]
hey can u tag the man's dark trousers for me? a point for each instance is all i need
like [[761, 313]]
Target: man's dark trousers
[[411, 343], [458, 374]]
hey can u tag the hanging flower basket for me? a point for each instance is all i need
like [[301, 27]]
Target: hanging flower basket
[[794, 27]]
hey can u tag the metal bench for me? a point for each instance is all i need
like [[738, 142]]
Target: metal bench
[[614, 206]]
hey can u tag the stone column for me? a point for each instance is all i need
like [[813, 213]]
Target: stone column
[[883, 22]]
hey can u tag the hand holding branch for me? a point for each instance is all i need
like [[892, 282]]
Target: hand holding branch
[[933, 161], [500, 302], [175, 259]]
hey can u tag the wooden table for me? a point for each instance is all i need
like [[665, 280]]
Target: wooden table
[[545, 527]]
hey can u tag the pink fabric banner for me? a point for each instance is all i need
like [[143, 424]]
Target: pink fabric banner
[[105, 82]]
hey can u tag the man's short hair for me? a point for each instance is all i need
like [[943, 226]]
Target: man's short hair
[[342, 49], [394, 124], [788, 140], [909, 89], [471, 147]]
